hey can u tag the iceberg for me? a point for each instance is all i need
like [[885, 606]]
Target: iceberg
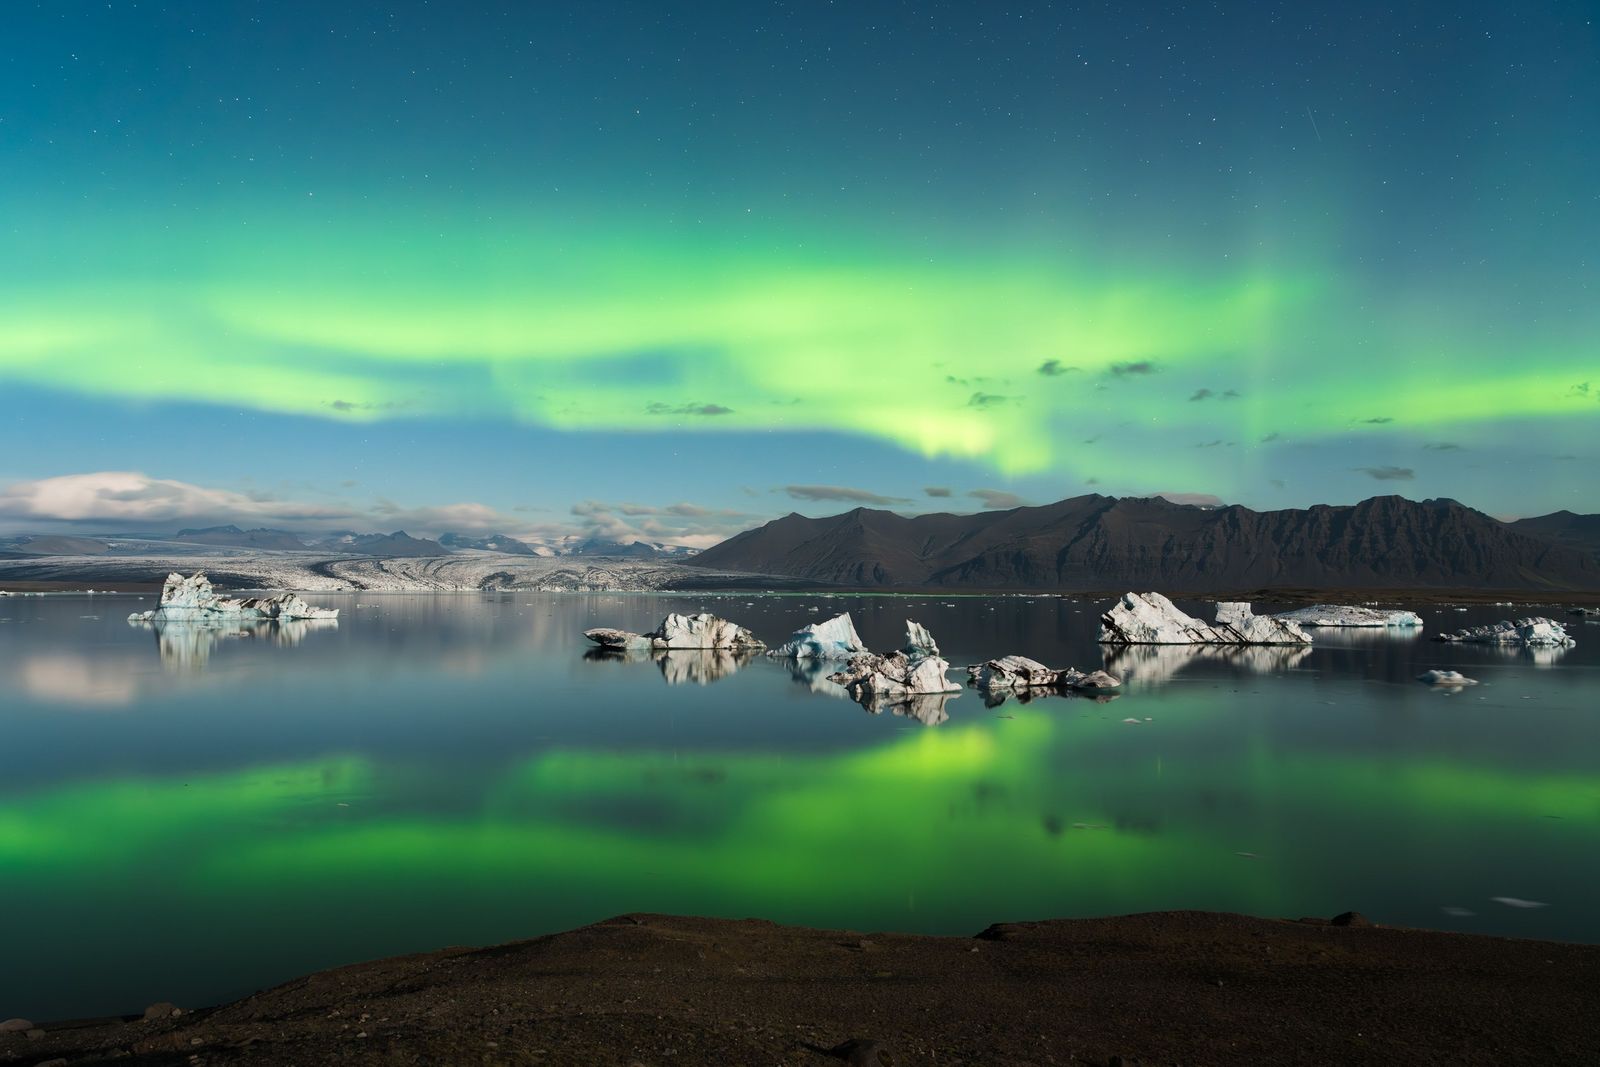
[[1344, 615], [1447, 678], [835, 638], [869, 676], [1535, 632], [1152, 619], [680, 632], [192, 599]]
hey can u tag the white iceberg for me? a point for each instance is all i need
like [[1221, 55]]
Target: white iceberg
[[1345, 615], [1536, 632], [1445, 678], [869, 676], [680, 632], [192, 599], [1152, 619], [835, 638]]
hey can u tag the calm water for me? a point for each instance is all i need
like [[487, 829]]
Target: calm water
[[190, 816]]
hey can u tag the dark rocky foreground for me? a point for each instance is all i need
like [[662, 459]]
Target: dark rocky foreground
[[1165, 988]]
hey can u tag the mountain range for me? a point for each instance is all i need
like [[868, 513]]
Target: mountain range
[[396, 544], [1103, 543]]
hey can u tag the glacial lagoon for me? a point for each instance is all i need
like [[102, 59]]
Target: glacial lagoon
[[189, 814]]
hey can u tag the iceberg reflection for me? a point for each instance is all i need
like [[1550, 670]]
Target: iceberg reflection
[[1148, 665], [926, 708], [185, 646]]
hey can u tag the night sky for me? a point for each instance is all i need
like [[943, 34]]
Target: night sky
[[672, 269]]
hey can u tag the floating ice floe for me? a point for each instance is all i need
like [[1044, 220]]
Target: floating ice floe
[[192, 599], [1020, 673], [680, 632], [1445, 678], [911, 672], [1345, 615], [835, 638], [1152, 619], [1536, 632]]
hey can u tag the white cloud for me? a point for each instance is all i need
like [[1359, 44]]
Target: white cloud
[[131, 497], [132, 502]]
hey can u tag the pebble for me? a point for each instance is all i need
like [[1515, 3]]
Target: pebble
[[15, 1026], [162, 1010]]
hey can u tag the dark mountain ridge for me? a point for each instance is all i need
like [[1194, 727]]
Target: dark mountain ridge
[[1564, 527], [509, 546], [234, 537], [1097, 543]]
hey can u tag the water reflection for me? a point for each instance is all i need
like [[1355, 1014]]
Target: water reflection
[[1141, 666], [993, 698], [679, 666], [926, 708], [813, 674], [186, 647]]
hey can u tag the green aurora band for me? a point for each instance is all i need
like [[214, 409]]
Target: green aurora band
[[820, 839], [617, 328]]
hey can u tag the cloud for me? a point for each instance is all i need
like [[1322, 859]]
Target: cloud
[[989, 400], [1204, 500], [997, 499], [1053, 368], [1388, 474], [840, 492], [132, 501], [659, 408], [1271, 437], [937, 490], [1444, 446], [1143, 366], [1379, 421], [1582, 389], [126, 497], [682, 524], [1202, 394]]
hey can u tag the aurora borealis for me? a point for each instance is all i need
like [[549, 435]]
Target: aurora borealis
[[536, 266]]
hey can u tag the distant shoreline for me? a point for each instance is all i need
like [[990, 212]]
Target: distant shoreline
[[1165, 987], [226, 577]]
